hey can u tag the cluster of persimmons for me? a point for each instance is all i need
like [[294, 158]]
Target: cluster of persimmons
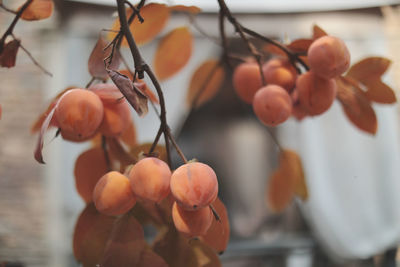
[[286, 93]]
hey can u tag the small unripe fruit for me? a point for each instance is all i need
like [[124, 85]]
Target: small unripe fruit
[[150, 179], [316, 94], [272, 105], [192, 223], [247, 80], [113, 194], [328, 57], [280, 72], [194, 185], [79, 114]]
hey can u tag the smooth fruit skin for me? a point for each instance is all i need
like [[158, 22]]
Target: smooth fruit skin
[[272, 105], [150, 179], [247, 80], [79, 113], [192, 223], [280, 72], [117, 117], [90, 166], [316, 94], [113, 194], [328, 57], [194, 185]]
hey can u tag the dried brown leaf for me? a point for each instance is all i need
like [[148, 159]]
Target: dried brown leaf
[[173, 52], [9, 54], [96, 63], [356, 105], [205, 83], [133, 95], [38, 9]]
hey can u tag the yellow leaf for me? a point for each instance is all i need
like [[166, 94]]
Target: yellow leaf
[[173, 52], [38, 9], [155, 18], [356, 105], [279, 191], [290, 164], [205, 83]]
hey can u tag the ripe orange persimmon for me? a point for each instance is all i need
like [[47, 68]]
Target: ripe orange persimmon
[[150, 179], [79, 114], [316, 94], [328, 57], [279, 71], [113, 194], [247, 80], [192, 222], [194, 185], [272, 105], [90, 166]]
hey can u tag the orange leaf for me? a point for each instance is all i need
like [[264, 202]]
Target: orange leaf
[[173, 52], [217, 236], [91, 233], [290, 165], [145, 148], [118, 153], [96, 60], [149, 258], [300, 45], [279, 191], [182, 8], [318, 32], [129, 136], [205, 83], [356, 105], [379, 92], [369, 67], [9, 54], [155, 18], [175, 249], [206, 257], [126, 243], [38, 9]]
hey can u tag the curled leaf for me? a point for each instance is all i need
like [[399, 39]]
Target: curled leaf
[[9, 54], [173, 52], [38, 9], [182, 8], [96, 65], [356, 105], [155, 18], [133, 95], [39, 145], [205, 83]]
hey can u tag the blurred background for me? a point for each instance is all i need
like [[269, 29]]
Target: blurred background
[[352, 217]]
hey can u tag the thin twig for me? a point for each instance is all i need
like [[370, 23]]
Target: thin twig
[[7, 9], [90, 82], [10, 28], [35, 61]]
